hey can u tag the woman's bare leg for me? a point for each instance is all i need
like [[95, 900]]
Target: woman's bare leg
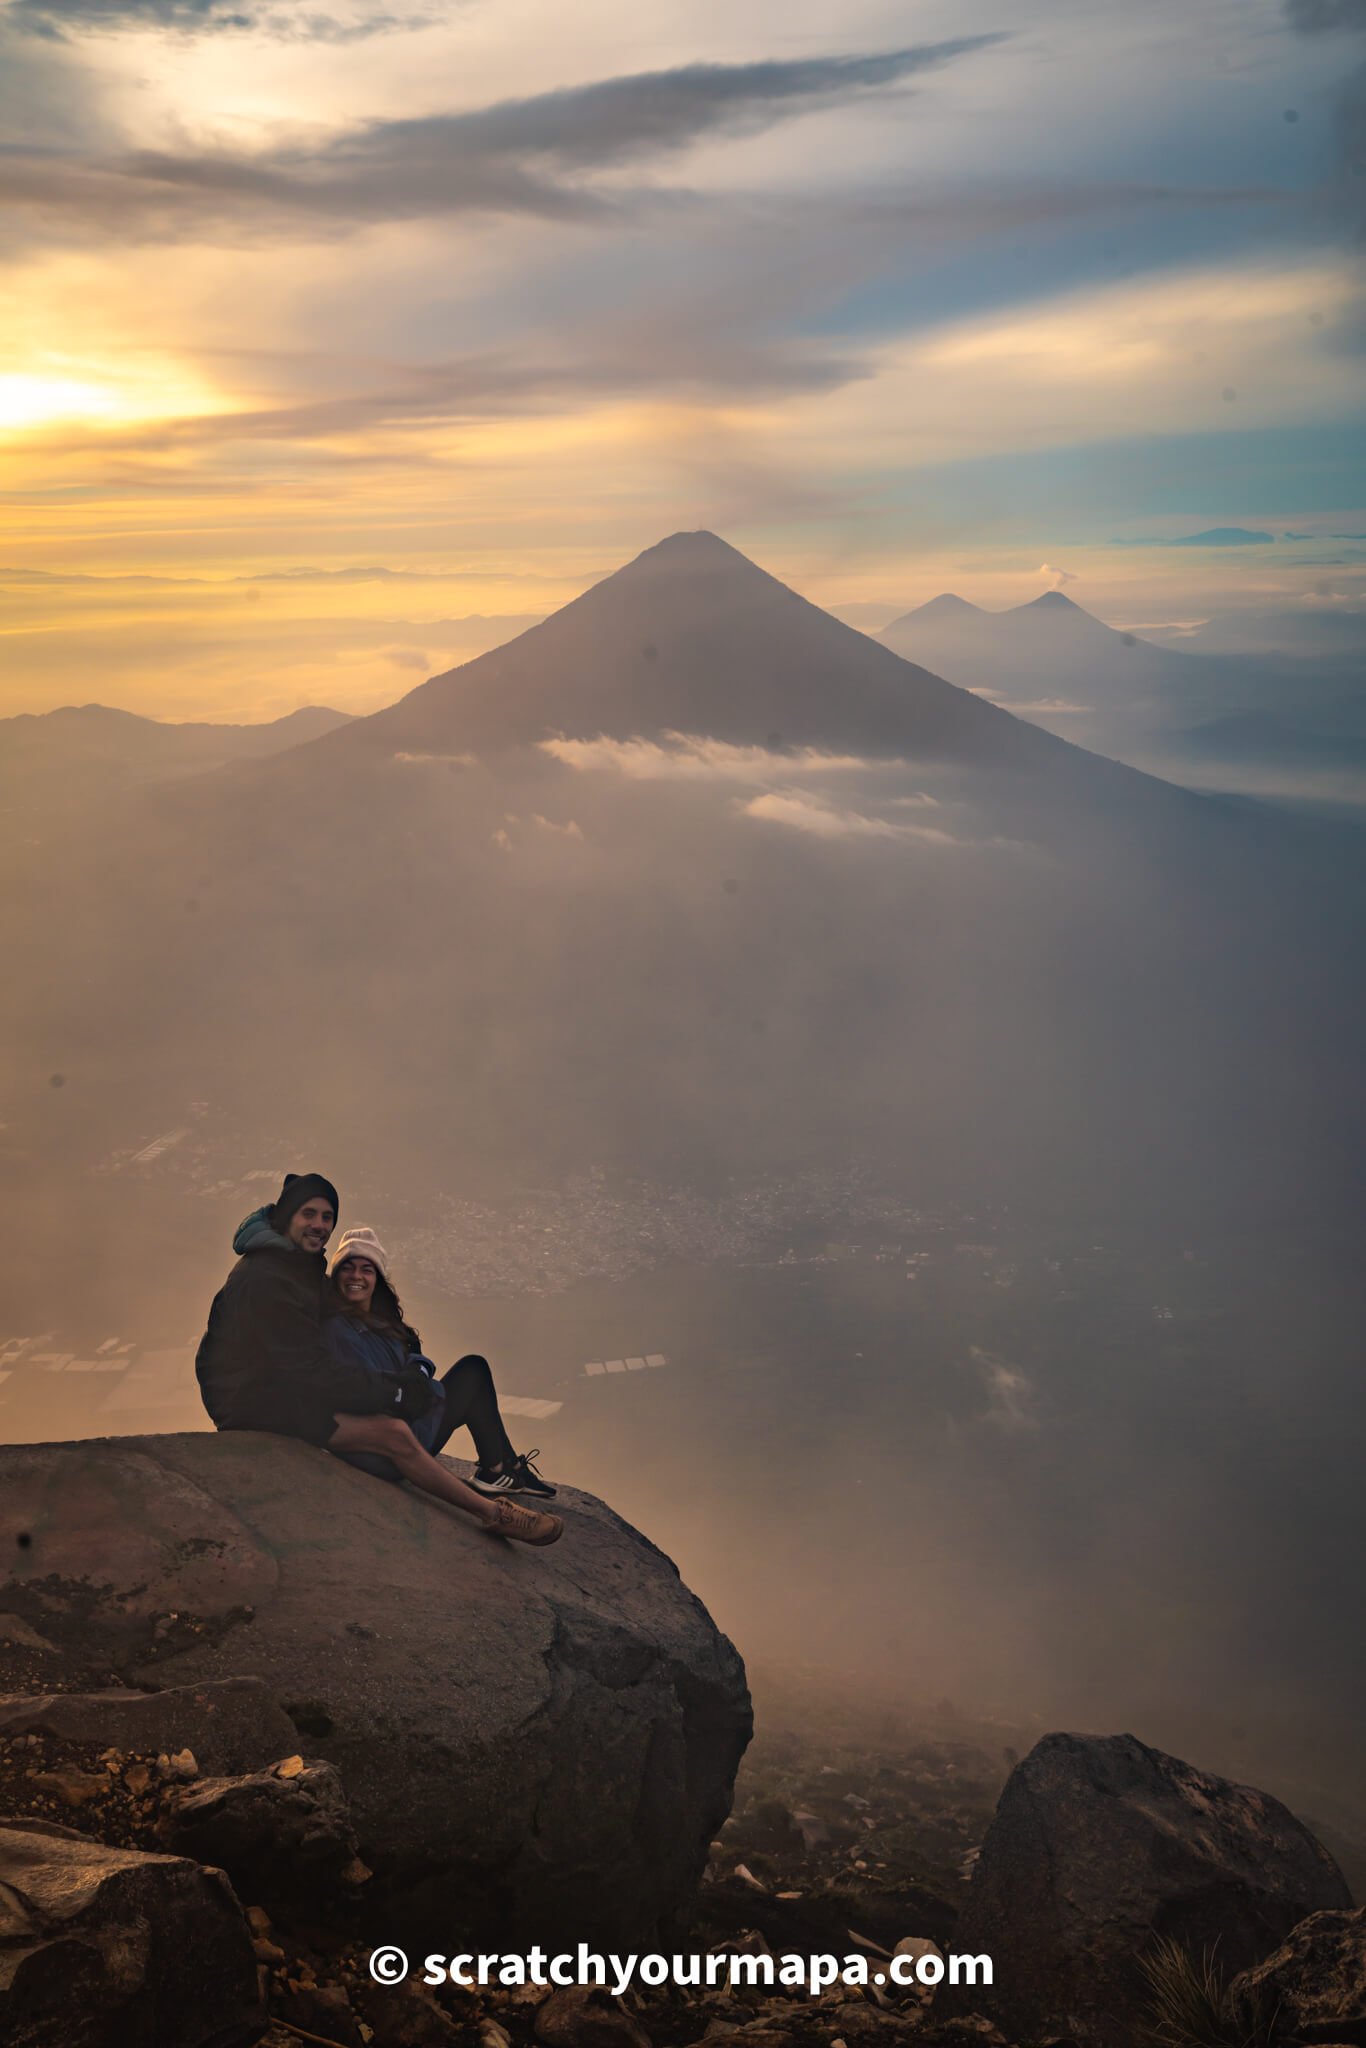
[[393, 1439]]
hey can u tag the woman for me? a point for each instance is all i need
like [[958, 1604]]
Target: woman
[[370, 1329]]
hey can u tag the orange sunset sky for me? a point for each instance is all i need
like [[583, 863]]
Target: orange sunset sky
[[341, 341]]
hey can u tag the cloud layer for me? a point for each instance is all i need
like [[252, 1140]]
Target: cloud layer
[[68, 20], [519, 156], [301, 314]]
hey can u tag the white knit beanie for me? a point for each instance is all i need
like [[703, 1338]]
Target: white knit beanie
[[360, 1242]]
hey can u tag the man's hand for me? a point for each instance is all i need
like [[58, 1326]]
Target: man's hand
[[418, 1395]]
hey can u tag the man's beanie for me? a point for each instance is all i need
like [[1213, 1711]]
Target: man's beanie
[[298, 1189]]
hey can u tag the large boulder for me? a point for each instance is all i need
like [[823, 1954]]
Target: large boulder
[[534, 1743], [1100, 1846], [109, 1948]]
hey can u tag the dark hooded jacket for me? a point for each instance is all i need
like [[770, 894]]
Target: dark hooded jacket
[[264, 1361]]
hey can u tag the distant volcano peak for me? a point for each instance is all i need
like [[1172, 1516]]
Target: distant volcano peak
[[1052, 601], [692, 636], [945, 605]]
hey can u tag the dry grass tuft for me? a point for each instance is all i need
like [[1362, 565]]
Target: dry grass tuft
[[1190, 2006]]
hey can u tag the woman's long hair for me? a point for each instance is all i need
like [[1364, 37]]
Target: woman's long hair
[[385, 1311], [385, 1307]]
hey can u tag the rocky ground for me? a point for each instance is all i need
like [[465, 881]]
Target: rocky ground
[[855, 1831], [234, 1675], [852, 1830]]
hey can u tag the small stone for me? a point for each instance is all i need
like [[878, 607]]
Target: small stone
[[584, 2016], [292, 1767], [402, 2015], [258, 1919], [137, 1778], [72, 1787], [266, 1951], [916, 1946], [748, 1943], [324, 2011], [491, 2035], [356, 1872]]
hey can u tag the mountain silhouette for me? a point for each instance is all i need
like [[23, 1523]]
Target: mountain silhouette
[[693, 637], [124, 739], [1061, 668], [955, 623], [946, 606], [58, 767]]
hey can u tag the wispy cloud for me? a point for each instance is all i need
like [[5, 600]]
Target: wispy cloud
[[66, 20], [438, 760], [822, 820], [1050, 707], [527, 156], [1213, 537], [1182, 627], [689, 757], [1155, 351]]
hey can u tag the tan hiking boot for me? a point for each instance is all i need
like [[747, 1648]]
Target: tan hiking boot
[[523, 1525]]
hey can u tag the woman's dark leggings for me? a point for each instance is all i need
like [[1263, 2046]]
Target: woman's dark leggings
[[471, 1400]]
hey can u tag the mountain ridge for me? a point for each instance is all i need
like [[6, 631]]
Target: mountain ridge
[[691, 636], [948, 608], [117, 717]]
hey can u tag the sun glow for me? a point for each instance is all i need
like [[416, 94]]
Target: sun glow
[[130, 388], [28, 401]]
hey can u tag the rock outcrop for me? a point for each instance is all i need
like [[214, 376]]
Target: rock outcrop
[[537, 1743], [284, 1835], [229, 1725], [1099, 1846], [110, 1948], [1315, 1983]]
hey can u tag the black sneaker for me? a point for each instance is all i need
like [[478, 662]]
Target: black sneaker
[[485, 1480], [524, 1478]]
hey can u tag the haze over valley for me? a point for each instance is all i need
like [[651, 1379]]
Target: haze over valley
[[969, 1123]]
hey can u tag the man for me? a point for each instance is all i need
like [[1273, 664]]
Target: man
[[265, 1363]]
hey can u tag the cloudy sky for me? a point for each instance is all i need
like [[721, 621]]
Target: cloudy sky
[[339, 340]]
